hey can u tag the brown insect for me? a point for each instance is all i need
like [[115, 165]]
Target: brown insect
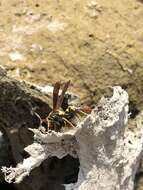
[[62, 114]]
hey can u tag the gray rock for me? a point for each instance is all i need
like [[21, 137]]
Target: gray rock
[[108, 150]]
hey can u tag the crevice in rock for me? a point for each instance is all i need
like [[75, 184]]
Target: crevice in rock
[[52, 174], [138, 180], [64, 170], [6, 157], [133, 110], [7, 186]]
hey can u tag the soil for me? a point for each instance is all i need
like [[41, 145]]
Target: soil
[[95, 44]]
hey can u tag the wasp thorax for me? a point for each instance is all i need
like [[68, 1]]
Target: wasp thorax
[[57, 120], [62, 114]]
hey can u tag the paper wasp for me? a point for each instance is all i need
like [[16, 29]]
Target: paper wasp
[[62, 114]]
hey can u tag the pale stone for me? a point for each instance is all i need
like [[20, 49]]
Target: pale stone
[[16, 56], [109, 152]]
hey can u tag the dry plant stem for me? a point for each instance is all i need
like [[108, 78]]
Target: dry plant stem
[[108, 151]]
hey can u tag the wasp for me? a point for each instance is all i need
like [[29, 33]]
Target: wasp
[[62, 114]]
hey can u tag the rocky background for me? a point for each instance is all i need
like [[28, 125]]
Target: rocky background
[[95, 44]]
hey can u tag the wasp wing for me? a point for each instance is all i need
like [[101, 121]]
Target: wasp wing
[[56, 95], [61, 97]]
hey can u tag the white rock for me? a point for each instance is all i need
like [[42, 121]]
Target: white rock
[[109, 152], [16, 56], [55, 26]]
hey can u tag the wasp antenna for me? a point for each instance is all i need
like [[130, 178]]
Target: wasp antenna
[[61, 97], [56, 94]]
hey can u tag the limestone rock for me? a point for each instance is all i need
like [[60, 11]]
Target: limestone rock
[[109, 152]]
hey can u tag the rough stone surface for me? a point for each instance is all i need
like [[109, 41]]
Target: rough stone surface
[[88, 41], [109, 152], [19, 104], [95, 43]]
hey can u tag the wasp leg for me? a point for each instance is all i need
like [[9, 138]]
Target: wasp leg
[[50, 125], [69, 122], [41, 128], [38, 116]]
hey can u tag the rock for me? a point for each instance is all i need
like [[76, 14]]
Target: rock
[[55, 26], [94, 9], [5, 156], [109, 151], [90, 42], [19, 103], [16, 56]]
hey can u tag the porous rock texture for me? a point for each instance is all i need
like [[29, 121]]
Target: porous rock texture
[[109, 151], [20, 103]]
